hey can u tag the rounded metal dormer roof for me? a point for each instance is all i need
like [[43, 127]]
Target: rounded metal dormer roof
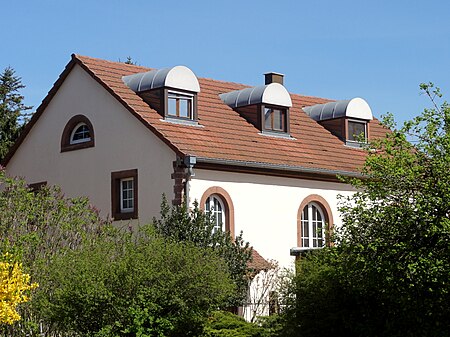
[[178, 77], [353, 108], [273, 93]]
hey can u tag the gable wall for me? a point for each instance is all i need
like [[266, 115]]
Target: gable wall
[[266, 207], [121, 142]]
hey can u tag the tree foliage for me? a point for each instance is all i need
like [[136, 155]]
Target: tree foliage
[[97, 280], [12, 110], [388, 274], [139, 285], [36, 227], [14, 284], [182, 225]]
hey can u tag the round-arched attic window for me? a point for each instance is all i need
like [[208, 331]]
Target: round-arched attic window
[[78, 134]]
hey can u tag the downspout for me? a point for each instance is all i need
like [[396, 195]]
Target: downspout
[[189, 162]]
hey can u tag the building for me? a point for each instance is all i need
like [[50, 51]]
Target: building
[[262, 159]]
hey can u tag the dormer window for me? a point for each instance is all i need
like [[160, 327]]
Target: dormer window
[[356, 130], [274, 119], [180, 105], [172, 92], [80, 134], [349, 120], [266, 106]]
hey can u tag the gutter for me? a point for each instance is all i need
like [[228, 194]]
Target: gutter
[[280, 167], [190, 162]]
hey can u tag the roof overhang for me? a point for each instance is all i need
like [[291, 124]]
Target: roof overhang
[[354, 108], [178, 77], [272, 94], [314, 173]]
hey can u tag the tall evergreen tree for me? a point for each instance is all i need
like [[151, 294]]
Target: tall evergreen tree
[[12, 110]]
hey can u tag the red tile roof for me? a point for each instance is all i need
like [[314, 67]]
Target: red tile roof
[[226, 135], [258, 263]]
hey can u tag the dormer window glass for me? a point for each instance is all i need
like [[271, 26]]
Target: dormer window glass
[[356, 130], [275, 119], [180, 105], [80, 134]]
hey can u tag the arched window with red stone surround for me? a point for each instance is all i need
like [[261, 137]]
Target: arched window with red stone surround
[[314, 222], [216, 200]]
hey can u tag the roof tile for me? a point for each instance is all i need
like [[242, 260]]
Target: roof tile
[[226, 135]]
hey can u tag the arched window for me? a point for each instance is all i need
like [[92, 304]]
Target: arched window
[[78, 134], [313, 226], [218, 201], [314, 222], [214, 206]]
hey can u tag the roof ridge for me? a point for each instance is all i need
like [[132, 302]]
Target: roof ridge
[[81, 57]]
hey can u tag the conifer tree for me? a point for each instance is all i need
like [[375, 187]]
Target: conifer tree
[[12, 110]]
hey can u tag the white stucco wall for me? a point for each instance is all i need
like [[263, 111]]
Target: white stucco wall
[[121, 143], [266, 207]]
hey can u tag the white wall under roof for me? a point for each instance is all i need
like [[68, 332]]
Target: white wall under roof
[[266, 207]]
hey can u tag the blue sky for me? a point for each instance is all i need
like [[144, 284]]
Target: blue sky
[[379, 50]]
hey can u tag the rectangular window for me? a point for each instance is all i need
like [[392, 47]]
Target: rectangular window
[[357, 130], [36, 187], [127, 195], [180, 105], [275, 119], [124, 195]]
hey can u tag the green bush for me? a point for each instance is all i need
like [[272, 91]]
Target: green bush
[[145, 286], [226, 324]]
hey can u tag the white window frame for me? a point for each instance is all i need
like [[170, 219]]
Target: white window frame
[[216, 214], [74, 131], [310, 224], [171, 94], [348, 129], [129, 190], [283, 114]]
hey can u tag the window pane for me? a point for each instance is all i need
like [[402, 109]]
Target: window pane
[[172, 106], [214, 207], [312, 227], [81, 134], [218, 205], [305, 213], [179, 105], [314, 212], [277, 119], [267, 118], [127, 195], [184, 108], [355, 129], [274, 119]]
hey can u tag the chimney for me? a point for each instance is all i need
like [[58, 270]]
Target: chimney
[[273, 78]]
